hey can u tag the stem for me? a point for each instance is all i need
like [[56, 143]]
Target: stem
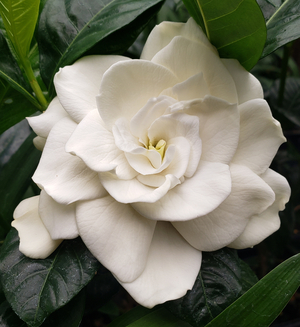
[[283, 73], [34, 84]]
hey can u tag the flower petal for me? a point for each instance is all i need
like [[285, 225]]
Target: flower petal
[[35, 240], [195, 197], [171, 269], [116, 235], [59, 219], [264, 224], [127, 86], [162, 34], [248, 87], [39, 142], [260, 136], [43, 123], [185, 58], [95, 145], [129, 191], [249, 195], [63, 176], [77, 85]]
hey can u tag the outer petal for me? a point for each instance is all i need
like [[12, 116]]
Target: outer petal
[[63, 176], [262, 225], [171, 269], [248, 87], [43, 123], [35, 241], [249, 195], [195, 197], [260, 136], [95, 145], [163, 33], [77, 85], [116, 235], [185, 58], [59, 219], [127, 87]]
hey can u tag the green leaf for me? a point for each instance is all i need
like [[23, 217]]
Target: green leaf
[[11, 73], [68, 28], [142, 317], [8, 318], [19, 18], [223, 277], [283, 26], [36, 288], [236, 27], [15, 177], [265, 300]]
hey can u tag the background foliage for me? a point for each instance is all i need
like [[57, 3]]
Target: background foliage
[[33, 47]]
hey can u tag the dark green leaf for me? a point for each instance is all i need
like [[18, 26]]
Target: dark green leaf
[[68, 28], [142, 317], [69, 315], [15, 177], [36, 288], [290, 107], [223, 277], [283, 26], [8, 318], [19, 18], [236, 27], [14, 107], [265, 300]]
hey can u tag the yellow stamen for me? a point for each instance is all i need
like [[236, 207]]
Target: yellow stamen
[[159, 147]]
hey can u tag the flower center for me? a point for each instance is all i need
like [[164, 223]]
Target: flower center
[[159, 147]]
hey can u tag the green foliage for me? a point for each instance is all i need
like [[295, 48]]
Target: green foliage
[[283, 26], [8, 318], [19, 19], [13, 185], [223, 277], [236, 27], [36, 288], [68, 29], [265, 300]]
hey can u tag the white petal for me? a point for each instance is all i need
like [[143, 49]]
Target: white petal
[[163, 33], [260, 136], [248, 87], [171, 269], [262, 225], [35, 240], [185, 58], [127, 87], [129, 191], [95, 145], [63, 176], [195, 197], [59, 219], [175, 126], [249, 195], [116, 235], [39, 142], [43, 123], [77, 85]]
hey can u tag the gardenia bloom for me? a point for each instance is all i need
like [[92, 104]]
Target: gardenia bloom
[[153, 161]]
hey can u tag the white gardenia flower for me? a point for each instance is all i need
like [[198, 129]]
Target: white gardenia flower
[[152, 161]]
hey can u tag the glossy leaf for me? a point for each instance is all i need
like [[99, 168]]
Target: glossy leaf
[[222, 279], [8, 318], [265, 300], [236, 28], [13, 185], [142, 317], [283, 26], [69, 28], [36, 288], [19, 18]]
